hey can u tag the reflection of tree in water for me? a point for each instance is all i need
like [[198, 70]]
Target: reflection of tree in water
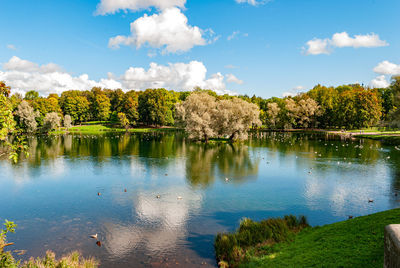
[[205, 162]]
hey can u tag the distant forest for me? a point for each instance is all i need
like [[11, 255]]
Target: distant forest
[[347, 106]]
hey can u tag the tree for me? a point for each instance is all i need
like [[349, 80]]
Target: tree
[[26, 117], [7, 123], [51, 122], [31, 95], [395, 113], [234, 118], [196, 114], [123, 121], [130, 106], [272, 114], [156, 107], [204, 117], [67, 121], [101, 107], [45, 106], [4, 89]]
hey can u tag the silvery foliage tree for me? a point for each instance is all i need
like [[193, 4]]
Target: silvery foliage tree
[[303, 113], [26, 117], [273, 112], [204, 117], [234, 118], [51, 122], [197, 114], [67, 121]]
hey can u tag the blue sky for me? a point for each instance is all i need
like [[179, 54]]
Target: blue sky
[[268, 51]]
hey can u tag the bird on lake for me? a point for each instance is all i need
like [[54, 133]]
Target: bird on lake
[[179, 197], [158, 196], [226, 179], [94, 236], [370, 200]]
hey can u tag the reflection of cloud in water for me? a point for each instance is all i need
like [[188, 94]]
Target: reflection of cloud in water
[[345, 195], [159, 223]]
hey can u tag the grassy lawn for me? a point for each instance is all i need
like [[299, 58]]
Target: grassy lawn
[[358, 242], [90, 128]]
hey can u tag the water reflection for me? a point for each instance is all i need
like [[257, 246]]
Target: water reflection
[[202, 189]]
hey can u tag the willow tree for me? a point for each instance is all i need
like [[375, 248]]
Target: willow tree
[[26, 117], [204, 117], [234, 118], [197, 114]]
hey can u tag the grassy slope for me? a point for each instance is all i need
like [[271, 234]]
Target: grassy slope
[[353, 243]]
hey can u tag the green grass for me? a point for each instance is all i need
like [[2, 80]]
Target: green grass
[[358, 242], [90, 128]]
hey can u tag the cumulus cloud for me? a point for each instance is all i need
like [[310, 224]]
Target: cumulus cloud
[[230, 78], [113, 6], [168, 30], [325, 46], [23, 75], [388, 68], [384, 68], [252, 2], [178, 76], [379, 82]]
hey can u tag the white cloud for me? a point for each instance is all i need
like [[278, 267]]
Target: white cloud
[[17, 64], [113, 6], [388, 68], [317, 46], [23, 75], [230, 78], [379, 82], [168, 30], [178, 76], [11, 46], [325, 46], [252, 2], [368, 40]]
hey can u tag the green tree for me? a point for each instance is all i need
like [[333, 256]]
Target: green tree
[[31, 95], [101, 107], [157, 107], [7, 123]]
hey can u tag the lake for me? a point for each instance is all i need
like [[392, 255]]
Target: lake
[[163, 198]]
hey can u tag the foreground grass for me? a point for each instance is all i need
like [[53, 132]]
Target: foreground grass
[[358, 242]]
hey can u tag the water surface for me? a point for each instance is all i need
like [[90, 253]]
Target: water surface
[[202, 189]]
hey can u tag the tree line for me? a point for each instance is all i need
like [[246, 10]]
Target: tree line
[[347, 106]]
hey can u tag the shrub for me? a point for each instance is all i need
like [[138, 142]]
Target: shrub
[[231, 248], [51, 122]]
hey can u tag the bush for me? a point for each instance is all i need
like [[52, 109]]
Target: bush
[[51, 122], [230, 248]]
